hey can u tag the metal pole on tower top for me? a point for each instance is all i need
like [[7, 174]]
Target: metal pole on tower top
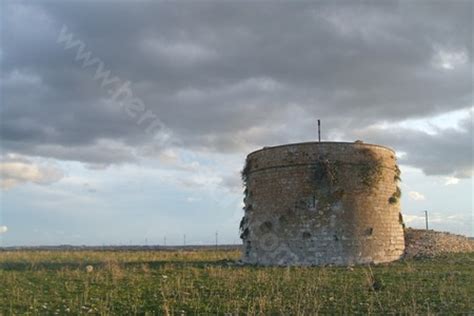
[[319, 130]]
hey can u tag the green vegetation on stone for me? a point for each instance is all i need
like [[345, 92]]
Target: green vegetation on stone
[[395, 196]]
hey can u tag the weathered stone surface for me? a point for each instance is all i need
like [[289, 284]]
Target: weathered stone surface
[[322, 203], [429, 243]]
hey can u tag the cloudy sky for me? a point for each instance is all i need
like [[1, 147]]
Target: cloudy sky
[[128, 122]]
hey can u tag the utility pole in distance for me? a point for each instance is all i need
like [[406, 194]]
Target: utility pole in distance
[[217, 239], [426, 219]]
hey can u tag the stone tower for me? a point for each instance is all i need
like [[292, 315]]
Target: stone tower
[[322, 203]]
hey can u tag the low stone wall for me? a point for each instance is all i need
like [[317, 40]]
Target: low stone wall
[[429, 243]]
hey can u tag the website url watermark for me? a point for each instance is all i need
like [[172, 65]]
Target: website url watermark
[[119, 91]]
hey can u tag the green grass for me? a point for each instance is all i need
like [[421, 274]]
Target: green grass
[[208, 282]]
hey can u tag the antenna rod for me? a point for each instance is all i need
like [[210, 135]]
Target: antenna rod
[[319, 130]]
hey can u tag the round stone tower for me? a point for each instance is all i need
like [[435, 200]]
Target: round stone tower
[[322, 203]]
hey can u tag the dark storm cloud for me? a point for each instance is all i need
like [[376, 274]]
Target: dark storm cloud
[[228, 76], [446, 152]]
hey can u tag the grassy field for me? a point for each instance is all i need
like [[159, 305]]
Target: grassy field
[[209, 282]]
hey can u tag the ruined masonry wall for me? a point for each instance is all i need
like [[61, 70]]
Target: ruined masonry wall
[[429, 243], [321, 203]]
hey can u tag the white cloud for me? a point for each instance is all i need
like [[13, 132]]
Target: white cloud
[[417, 196], [169, 157], [410, 219], [233, 182], [173, 159], [449, 59], [456, 223], [200, 181], [451, 180], [434, 148], [15, 170], [183, 51], [20, 77], [3, 229]]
